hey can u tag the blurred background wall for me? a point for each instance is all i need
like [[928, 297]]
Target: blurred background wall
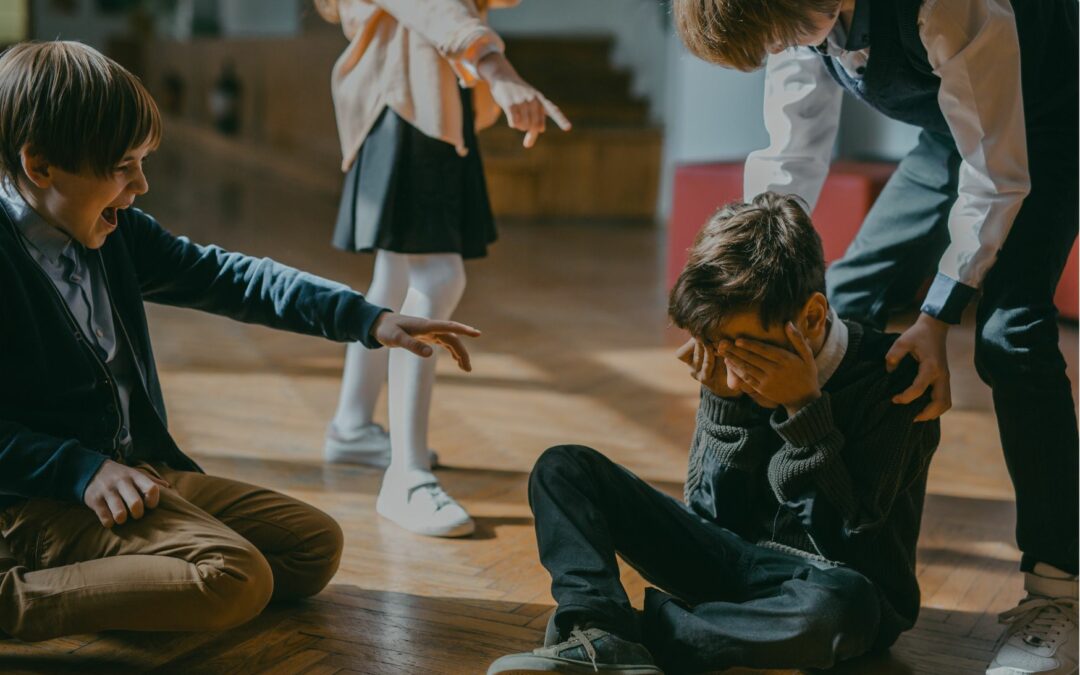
[[251, 78]]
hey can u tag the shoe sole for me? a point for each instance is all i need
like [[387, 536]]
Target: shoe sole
[[463, 530], [526, 663]]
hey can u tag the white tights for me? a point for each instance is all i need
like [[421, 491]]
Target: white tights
[[425, 285]]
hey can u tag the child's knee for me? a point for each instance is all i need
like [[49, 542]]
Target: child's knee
[[238, 586], [439, 277], [560, 459], [314, 563]]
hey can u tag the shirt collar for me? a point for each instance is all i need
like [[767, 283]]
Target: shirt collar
[[832, 352], [50, 241]]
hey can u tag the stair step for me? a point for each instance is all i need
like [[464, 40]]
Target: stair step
[[581, 49]]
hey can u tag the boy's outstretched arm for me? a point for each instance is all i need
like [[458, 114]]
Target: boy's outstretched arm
[[173, 270]]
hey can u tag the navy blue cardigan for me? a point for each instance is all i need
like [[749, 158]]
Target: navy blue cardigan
[[59, 415]]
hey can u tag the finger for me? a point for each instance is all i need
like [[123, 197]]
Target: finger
[[699, 356], [705, 364], [132, 498], [743, 374], [685, 353], [101, 510], [708, 363], [554, 113], [746, 367], [513, 116], [453, 344], [535, 113], [756, 360], [896, 354], [798, 341], [150, 489], [530, 139], [767, 352], [429, 327], [405, 341], [116, 507], [940, 402], [923, 380]]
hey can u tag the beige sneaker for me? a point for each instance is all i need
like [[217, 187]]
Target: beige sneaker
[[417, 502], [1041, 638]]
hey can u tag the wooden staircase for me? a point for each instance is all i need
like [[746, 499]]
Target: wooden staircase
[[607, 167]]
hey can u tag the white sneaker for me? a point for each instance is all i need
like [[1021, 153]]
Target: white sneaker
[[418, 503], [1042, 634], [369, 446]]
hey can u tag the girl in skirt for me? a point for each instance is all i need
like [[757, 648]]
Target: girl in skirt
[[417, 80]]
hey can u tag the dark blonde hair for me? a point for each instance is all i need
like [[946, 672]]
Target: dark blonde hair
[[738, 33], [78, 108], [762, 256]]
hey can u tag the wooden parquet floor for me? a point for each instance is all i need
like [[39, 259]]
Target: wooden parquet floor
[[576, 349]]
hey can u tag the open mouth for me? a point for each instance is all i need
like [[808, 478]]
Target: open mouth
[[109, 215]]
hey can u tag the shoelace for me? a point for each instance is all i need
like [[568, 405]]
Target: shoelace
[[586, 644], [436, 493], [1042, 620]]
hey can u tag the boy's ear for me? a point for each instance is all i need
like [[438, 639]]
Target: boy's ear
[[815, 315], [35, 167]]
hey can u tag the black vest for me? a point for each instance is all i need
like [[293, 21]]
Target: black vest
[[900, 83]]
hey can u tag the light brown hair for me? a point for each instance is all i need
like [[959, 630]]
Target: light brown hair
[[738, 33], [78, 108], [762, 256]]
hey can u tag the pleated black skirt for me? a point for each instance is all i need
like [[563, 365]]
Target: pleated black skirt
[[410, 193]]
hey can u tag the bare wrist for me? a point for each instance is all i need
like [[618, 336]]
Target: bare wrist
[[933, 323], [795, 407]]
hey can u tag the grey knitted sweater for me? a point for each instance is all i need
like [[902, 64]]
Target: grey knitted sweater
[[842, 480]]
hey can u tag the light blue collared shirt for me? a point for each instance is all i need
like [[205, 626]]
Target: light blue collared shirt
[[79, 278]]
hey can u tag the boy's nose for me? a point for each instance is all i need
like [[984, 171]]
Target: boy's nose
[[140, 186]]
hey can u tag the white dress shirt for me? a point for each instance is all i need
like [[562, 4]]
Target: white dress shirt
[[972, 46]]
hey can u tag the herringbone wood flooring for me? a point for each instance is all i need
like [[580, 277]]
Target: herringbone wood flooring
[[576, 350]]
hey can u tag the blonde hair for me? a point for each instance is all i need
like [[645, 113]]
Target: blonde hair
[[738, 33], [75, 106]]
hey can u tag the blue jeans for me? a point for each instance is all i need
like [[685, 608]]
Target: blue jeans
[[1016, 348]]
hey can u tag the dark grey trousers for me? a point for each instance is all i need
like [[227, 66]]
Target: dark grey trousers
[[1016, 348], [727, 602]]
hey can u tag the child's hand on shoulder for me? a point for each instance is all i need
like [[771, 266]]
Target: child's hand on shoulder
[[788, 377]]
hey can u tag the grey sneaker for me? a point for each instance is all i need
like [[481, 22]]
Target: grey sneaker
[[1042, 635], [370, 446], [591, 650]]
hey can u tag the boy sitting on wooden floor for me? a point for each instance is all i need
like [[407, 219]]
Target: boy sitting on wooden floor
[[796, 545]]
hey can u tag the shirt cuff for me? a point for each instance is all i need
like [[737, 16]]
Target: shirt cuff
[[467, 66], [371, 313], [947, 299]]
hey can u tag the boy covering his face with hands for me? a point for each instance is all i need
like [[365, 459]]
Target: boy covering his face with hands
[[795, 547]]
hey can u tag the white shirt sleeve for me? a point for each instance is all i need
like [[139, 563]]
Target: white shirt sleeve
[[973, 47], [802, 115]]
